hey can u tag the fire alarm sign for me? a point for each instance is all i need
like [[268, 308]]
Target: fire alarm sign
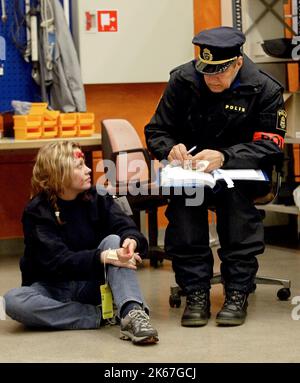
[[107, 21]]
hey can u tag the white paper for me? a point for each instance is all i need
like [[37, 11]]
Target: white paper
[[177, 176], [241, 174]]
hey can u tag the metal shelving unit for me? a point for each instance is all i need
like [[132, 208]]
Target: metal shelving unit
[[237, 18], [237, 21]]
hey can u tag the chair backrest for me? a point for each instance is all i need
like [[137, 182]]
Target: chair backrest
[[122, 145]]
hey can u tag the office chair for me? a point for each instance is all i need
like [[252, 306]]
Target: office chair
[[283, 293], [119, 138]]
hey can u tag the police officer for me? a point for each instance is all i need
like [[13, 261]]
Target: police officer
[[235, 114]]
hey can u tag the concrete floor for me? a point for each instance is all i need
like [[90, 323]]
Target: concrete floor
[[269, 334]]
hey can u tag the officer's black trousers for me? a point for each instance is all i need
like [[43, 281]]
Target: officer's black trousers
[[240, 230]]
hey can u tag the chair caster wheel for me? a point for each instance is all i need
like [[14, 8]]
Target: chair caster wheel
[[154, 263], [175, 301], [283, 294]]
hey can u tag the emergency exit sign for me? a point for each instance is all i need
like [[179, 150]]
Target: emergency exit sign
[[107, 21]]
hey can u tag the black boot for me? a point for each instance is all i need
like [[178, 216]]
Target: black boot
[[234, 310], [197, 309]]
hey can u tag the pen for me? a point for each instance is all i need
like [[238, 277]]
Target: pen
[[192, 149]]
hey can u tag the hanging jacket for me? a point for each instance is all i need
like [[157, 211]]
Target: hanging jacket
[[67, 90], [246, 122]]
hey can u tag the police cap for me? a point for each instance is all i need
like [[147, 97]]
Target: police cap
[[219, 48]]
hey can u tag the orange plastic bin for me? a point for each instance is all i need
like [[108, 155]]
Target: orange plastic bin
[[38, 108], [27, 127], [50, 124], [86, 124], [67, 125]]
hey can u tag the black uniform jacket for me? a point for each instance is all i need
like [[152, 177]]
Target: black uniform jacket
[[56, 252], [246, 122]]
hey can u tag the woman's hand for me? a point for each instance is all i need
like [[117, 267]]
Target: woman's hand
[[122, 257], [129, 245]]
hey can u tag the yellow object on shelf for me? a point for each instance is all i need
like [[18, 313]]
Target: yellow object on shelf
[[67, 125], [27, 127], [51, 115], [44, 123], [49, 129], [38, 108], [86, 124], [50, 123]]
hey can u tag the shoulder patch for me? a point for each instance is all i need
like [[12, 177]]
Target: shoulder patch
[[281, 120]]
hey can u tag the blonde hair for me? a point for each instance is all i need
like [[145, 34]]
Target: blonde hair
[[53, 170]]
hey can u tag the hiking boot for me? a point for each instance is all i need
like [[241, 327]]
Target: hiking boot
[[197, 309], [234, 310], [136, 326]]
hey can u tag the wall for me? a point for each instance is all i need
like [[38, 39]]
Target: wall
[[137, 102], [15, 174], [16, 78], [151, 39]]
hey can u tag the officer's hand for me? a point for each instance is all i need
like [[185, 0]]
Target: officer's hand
[[214, 157], [178, 155]]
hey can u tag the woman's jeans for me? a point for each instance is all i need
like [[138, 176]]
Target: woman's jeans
[[72, 304]]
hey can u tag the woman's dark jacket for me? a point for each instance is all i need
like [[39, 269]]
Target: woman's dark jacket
[[55, 252]]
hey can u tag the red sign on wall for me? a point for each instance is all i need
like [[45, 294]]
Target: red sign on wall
[[107, 21]]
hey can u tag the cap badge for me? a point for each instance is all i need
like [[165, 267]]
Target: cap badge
[[207, 54]]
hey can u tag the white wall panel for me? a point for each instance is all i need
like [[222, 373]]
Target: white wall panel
[[153, 37]]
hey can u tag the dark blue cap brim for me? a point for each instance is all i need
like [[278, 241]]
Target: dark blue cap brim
[[204, 68]]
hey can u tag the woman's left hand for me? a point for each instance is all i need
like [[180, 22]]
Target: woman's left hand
[[124, 256], [127, 252]]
